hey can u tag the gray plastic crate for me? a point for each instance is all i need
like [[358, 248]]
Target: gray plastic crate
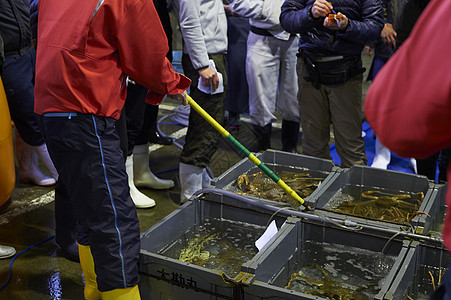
[[372, 178], [436, 208], [283, 256], [277, 161], [163, 277], [413, 279]]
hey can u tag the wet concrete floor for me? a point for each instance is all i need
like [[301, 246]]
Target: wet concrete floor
[[27, 221]]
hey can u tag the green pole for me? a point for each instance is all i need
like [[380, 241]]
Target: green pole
[[246, 152]]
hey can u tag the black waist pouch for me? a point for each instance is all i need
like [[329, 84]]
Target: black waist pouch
[[331, 72]]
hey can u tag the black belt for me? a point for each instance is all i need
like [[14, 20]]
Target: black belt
[[264, 32], [260, 31], [20, 52]]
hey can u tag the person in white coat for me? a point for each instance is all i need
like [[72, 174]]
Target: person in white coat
[[270, 72]]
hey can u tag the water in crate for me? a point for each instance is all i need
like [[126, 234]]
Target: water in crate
[[425, 281], [334, 271], [221, 245], [304, 182], [437, 224], [376, 203]]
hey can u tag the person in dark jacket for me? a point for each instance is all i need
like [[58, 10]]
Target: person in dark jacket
[[382, 49], [65, 221], [18, 80], [34, 21], [330, 71]]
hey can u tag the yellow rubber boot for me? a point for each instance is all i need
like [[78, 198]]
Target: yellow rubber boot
[[131, 293], [87, 266]]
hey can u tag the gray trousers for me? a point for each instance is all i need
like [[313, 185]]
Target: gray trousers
[[271, 75], [339, 105]]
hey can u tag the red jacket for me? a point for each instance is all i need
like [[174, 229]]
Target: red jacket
[[84, 55], [409, 103]]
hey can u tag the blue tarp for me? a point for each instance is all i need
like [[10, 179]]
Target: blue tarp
[[397, 163]]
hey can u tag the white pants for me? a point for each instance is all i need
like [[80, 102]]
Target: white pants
[[272, 78]]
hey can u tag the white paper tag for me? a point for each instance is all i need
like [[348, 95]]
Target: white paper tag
[[267, 235], [207, 89]]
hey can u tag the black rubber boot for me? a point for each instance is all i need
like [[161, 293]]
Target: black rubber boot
[[290, 136], [155, 137], [262, 136]]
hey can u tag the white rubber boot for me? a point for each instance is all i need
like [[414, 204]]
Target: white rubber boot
[[190, 180], [206, 179], [413, 164], [29, 171], [143, 176], [140, 200], [43, 154], [381, 157], [6, 251]]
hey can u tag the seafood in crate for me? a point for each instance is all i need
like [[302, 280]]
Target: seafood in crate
[[377, 203], [261, 186], [335, 271]]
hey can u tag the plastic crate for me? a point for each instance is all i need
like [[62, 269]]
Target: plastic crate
[[413, 279], [436, 208], [277, 161], [164, 277], [273, 268], [372, 178]]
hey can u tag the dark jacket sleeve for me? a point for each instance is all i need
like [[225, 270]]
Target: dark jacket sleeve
[[365, 24], [389, 12], [295, 17], [2, 54], [368, 27], [34, 21]]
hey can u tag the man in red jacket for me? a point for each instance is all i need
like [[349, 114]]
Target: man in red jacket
[[409, 103], [85, 51]]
